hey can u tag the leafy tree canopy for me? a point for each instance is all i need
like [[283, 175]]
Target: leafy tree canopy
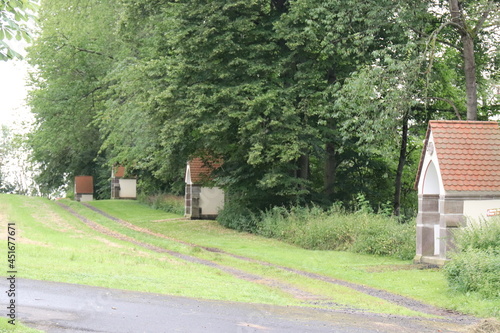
[[14, 16], [303, 100]]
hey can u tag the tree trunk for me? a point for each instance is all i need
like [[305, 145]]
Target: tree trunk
[[330, 169], [401, 164], [470, 76], [303, 172], [468, 56]]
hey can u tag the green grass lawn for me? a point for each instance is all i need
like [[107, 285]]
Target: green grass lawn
[[54, 245], [5, 327], [342, 295], [386, 273]]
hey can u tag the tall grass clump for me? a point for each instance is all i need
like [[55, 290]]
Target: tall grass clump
[[360, 232], [237, 216], [166, 202], [475, 262]]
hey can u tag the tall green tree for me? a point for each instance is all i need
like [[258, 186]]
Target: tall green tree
[[469, 29], [131, 121], [258, 84], [254, 83], [469, 19], [303, 100], [330, 41], [71, 56], [419, 79], [226, 97]]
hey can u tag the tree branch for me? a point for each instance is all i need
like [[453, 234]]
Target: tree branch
[[457, 113], [437, 39], [92, 52], [80, 49], [90, 93], [483, 18]]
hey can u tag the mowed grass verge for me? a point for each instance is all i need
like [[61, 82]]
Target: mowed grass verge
[[331, 296], [53, 245], [398, 276]]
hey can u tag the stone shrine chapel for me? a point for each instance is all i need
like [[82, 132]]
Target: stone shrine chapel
[[458, 182]]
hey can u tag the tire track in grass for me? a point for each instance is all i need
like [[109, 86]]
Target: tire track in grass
[[399, 300], [298, 294]]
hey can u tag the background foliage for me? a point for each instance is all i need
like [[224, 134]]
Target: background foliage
[[476, 262], [334, 229], [304, 100], [14, 18]]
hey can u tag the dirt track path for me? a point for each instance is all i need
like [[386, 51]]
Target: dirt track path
[[394, 298], [297, 293], [448, 317]]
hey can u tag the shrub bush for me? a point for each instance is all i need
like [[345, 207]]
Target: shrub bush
[[237, 216], [362, 232], [383, 235], [475, 271], [475, 264], [481, 235]]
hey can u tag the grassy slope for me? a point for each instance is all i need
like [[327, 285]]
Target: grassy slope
[[53, 245], [390, 274], [134, 212]]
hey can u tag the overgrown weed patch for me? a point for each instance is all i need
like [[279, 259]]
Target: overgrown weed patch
[[362, 232]]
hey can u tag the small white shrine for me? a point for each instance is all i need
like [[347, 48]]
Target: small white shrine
[[202, 201], [122, 187], [458, 182]]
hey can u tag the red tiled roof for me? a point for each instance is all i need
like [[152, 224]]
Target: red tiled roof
[[119, 171], [84, 184], [201, 170], [468, 153]]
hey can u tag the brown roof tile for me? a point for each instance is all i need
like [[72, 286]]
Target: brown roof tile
[[84, 184], [201, 170], [468, 153], [119, 171]]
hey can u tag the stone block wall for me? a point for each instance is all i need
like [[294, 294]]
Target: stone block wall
[[428, 217], [192, 201], [438, 217], [115, 188]]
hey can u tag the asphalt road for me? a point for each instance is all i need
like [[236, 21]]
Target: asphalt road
[[60, 307]]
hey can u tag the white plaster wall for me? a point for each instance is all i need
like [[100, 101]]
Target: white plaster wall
[[187, 178], [128, 188], [476, 210], [211, 200], [430, 181]]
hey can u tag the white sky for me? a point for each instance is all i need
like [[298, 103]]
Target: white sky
[[13, 91], [16, 116]]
